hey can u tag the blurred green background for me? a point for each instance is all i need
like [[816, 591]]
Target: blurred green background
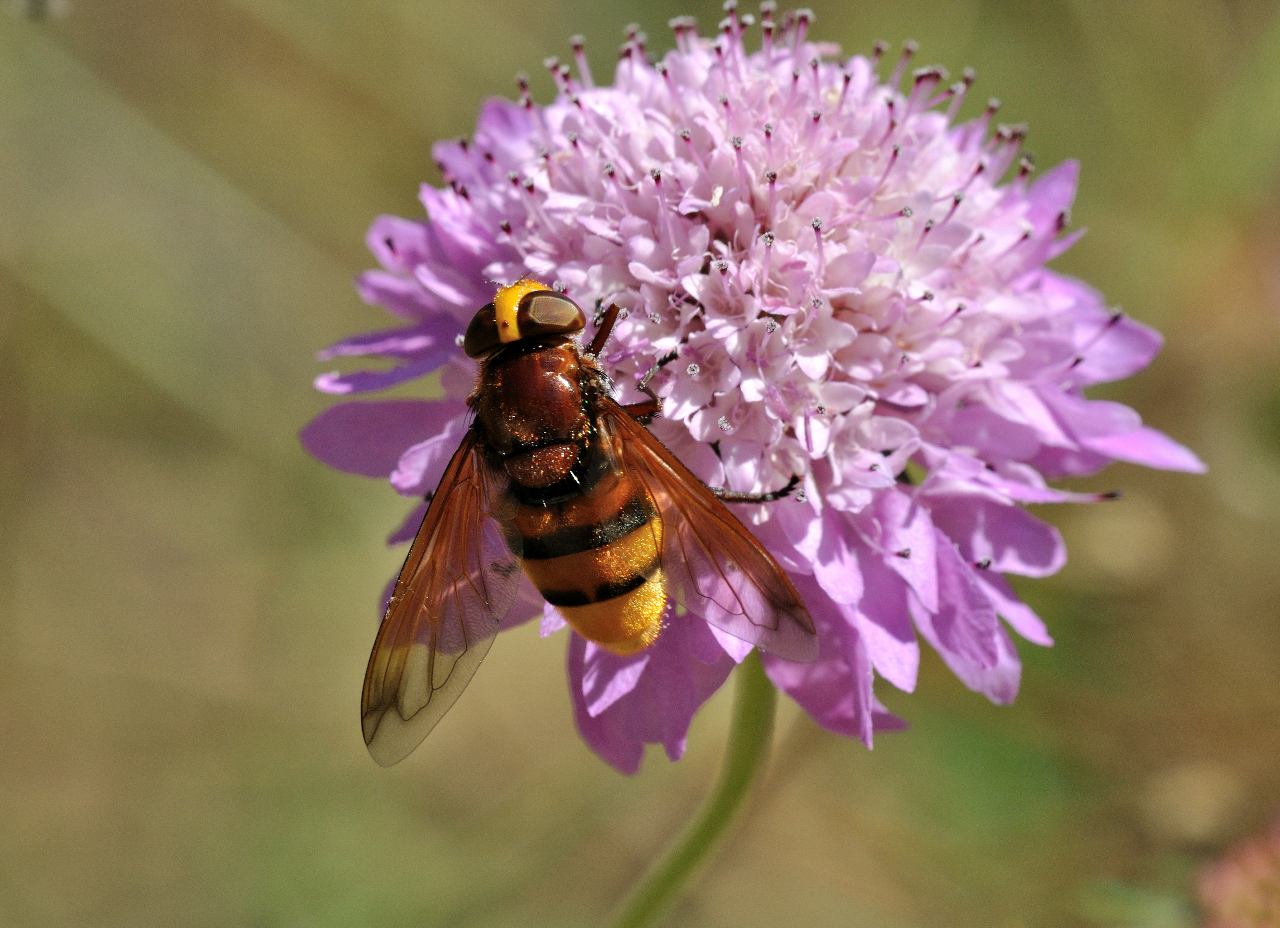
[[188, 601]]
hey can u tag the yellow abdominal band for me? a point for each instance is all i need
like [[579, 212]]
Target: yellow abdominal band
[[614, 595]]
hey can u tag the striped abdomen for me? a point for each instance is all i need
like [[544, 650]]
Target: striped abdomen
[[591, 546]]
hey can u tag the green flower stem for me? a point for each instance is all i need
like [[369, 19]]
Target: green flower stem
[[755, 701]]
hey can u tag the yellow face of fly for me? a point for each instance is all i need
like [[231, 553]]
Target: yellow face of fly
[[506, 304]]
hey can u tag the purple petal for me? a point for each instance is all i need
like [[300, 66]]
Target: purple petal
[[407, 529], [1000, 681], [1022, 403], [835, 566], [552, 621], [1068, 462], [399, 343], [370, 381], [1018, 614], [420, 468], [504, 129], [1052, 194], [1113, 350], [606, 677], [368, 438], [462, 243], [907, 536], [991, 435], [884, 619], [451, 286], [407, 299], [964, 630], [1006, 538], [1116, 431], [835, 689], [1147, 446], [675, 680], [397, 243]]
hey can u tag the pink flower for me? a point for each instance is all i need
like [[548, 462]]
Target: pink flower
[[1242, 890], [853, 286]]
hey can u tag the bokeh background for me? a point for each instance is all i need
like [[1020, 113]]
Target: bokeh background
[[188, 601]]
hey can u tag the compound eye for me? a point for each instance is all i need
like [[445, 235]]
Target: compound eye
[[482, 333], [546, 312]]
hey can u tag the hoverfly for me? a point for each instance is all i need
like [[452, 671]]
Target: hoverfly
[[555, 477]]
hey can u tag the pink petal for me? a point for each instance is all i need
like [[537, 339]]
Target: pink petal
[[400, 343], [420, 468], [676, 679], [407, 299], [1116, 431], [835, 689], [907, 536], [1006, 537], [1052, 194], [835, 566], [883, 618], [606, 677], [397, 243], [964, 630], [407, 529], [369, 438], [1018, 614], [552, 621], [369, 381]]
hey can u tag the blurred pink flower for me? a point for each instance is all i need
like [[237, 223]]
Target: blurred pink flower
[[853, 287], [1242, 890]]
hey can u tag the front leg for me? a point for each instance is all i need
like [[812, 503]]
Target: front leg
[[737, 496], [603, 329], [645, 410]]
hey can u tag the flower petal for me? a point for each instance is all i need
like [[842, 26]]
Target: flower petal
[[370, 381], [679, 673], [883, 618], [1116, 431], [369, 438], [1018, 614], [835, 689], [908, 538], [421, 466], [1005, 538]]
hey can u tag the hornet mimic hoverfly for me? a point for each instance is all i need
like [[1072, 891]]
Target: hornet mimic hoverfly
[[555, 477]]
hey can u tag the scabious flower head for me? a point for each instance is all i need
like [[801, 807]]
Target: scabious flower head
[[843, 283], [1242, 890]]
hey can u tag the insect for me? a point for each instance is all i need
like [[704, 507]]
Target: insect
[[555, 477]]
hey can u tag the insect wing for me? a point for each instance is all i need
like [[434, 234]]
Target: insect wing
[[456, 585], [713, 563]]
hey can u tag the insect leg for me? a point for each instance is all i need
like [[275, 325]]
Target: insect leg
[[737, 496], [645, 410], [602, 331]]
